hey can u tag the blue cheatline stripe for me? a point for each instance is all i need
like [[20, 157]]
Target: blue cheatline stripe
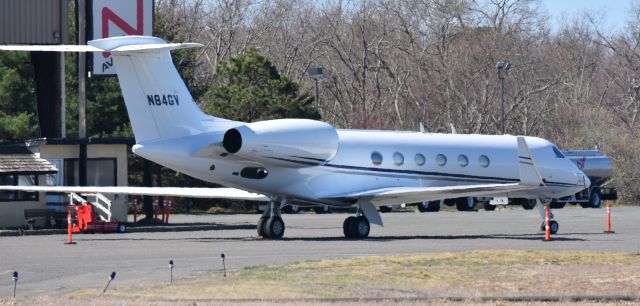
[[450, 175], [415, 172]]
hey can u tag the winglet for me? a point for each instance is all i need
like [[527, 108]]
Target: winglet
[[529, 173]]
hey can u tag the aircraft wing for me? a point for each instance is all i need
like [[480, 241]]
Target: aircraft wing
[[530, 178], [399, 195], [217, 193]]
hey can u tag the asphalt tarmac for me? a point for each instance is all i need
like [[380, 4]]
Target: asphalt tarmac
[[47, 266]]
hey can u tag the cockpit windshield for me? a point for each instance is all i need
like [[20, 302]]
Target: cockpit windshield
[[558, 152]]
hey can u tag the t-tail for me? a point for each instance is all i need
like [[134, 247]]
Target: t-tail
[[158, 102]]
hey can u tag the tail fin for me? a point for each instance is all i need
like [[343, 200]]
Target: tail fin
[[158, 102]]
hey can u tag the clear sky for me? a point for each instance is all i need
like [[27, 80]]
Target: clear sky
[[613, 12]]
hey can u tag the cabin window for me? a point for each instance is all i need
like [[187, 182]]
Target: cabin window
[[483, 160], [463, 161], [441, 160], [419, 159], [398, 159], [376, 158], [557, 152]]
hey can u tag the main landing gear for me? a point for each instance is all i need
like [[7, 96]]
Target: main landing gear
[[356, 227], [554, 226], [271, 225]]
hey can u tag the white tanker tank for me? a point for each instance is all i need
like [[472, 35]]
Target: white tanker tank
[[598, 168]]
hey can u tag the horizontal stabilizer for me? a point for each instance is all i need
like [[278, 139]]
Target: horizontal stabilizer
[[123, 44], [207, 193]]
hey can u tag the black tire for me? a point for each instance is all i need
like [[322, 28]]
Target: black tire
[[423, 206], [346, 226], [274, 228], [489, 207], [291, 209], [528, 204], [449, 202], [260, 226], [555, 204], [554, 226], [359, 227], [595, 200], [465, 204], [322, 209], [122, 228], [385, 209]]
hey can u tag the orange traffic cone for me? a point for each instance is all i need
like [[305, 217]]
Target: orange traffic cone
[[547, 225], [69, 227], [609, 231]]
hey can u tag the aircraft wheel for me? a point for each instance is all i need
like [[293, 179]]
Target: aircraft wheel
[[423, 206], [555, 204], [465, 204], [274, 228], [322, 209], [489, 207], [291, 209], [385, 209], [260, 226], [528, 204], [595, 200], [553, 226], [359, 227], [346, 226]]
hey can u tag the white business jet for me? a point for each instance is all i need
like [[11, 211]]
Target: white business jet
[[309, 161]]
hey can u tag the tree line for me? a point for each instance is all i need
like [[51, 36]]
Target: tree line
[[394, 64]]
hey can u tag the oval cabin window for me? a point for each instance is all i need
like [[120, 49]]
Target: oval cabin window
[[376, 158], [398, 159], [483, 160], [463, 161]]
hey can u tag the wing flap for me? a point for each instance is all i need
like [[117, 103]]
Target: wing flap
[[217, 193]]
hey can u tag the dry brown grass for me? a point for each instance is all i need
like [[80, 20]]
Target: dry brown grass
[[405, 280]]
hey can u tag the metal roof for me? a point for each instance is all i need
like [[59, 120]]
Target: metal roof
[[19, 160]]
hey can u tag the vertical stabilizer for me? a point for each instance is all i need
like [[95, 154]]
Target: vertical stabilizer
[[158, 102]]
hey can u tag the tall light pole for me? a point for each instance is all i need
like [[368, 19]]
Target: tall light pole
[[503, 68], [316, 73]]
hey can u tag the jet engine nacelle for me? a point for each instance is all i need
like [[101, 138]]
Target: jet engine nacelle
[[283, 142]]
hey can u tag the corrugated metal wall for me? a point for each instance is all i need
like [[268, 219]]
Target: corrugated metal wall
[[33, 21]]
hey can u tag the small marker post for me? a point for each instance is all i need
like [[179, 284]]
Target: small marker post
[[111, 277], [224, 267], [547, 223], [15, 282], [171, 271], [609, 231]]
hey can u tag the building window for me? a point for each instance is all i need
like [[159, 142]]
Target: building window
[[398, 159], [463, 161], [419, 159], [103, 172], [18, 180], [483, 160], [441, 160], [376, 158]]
